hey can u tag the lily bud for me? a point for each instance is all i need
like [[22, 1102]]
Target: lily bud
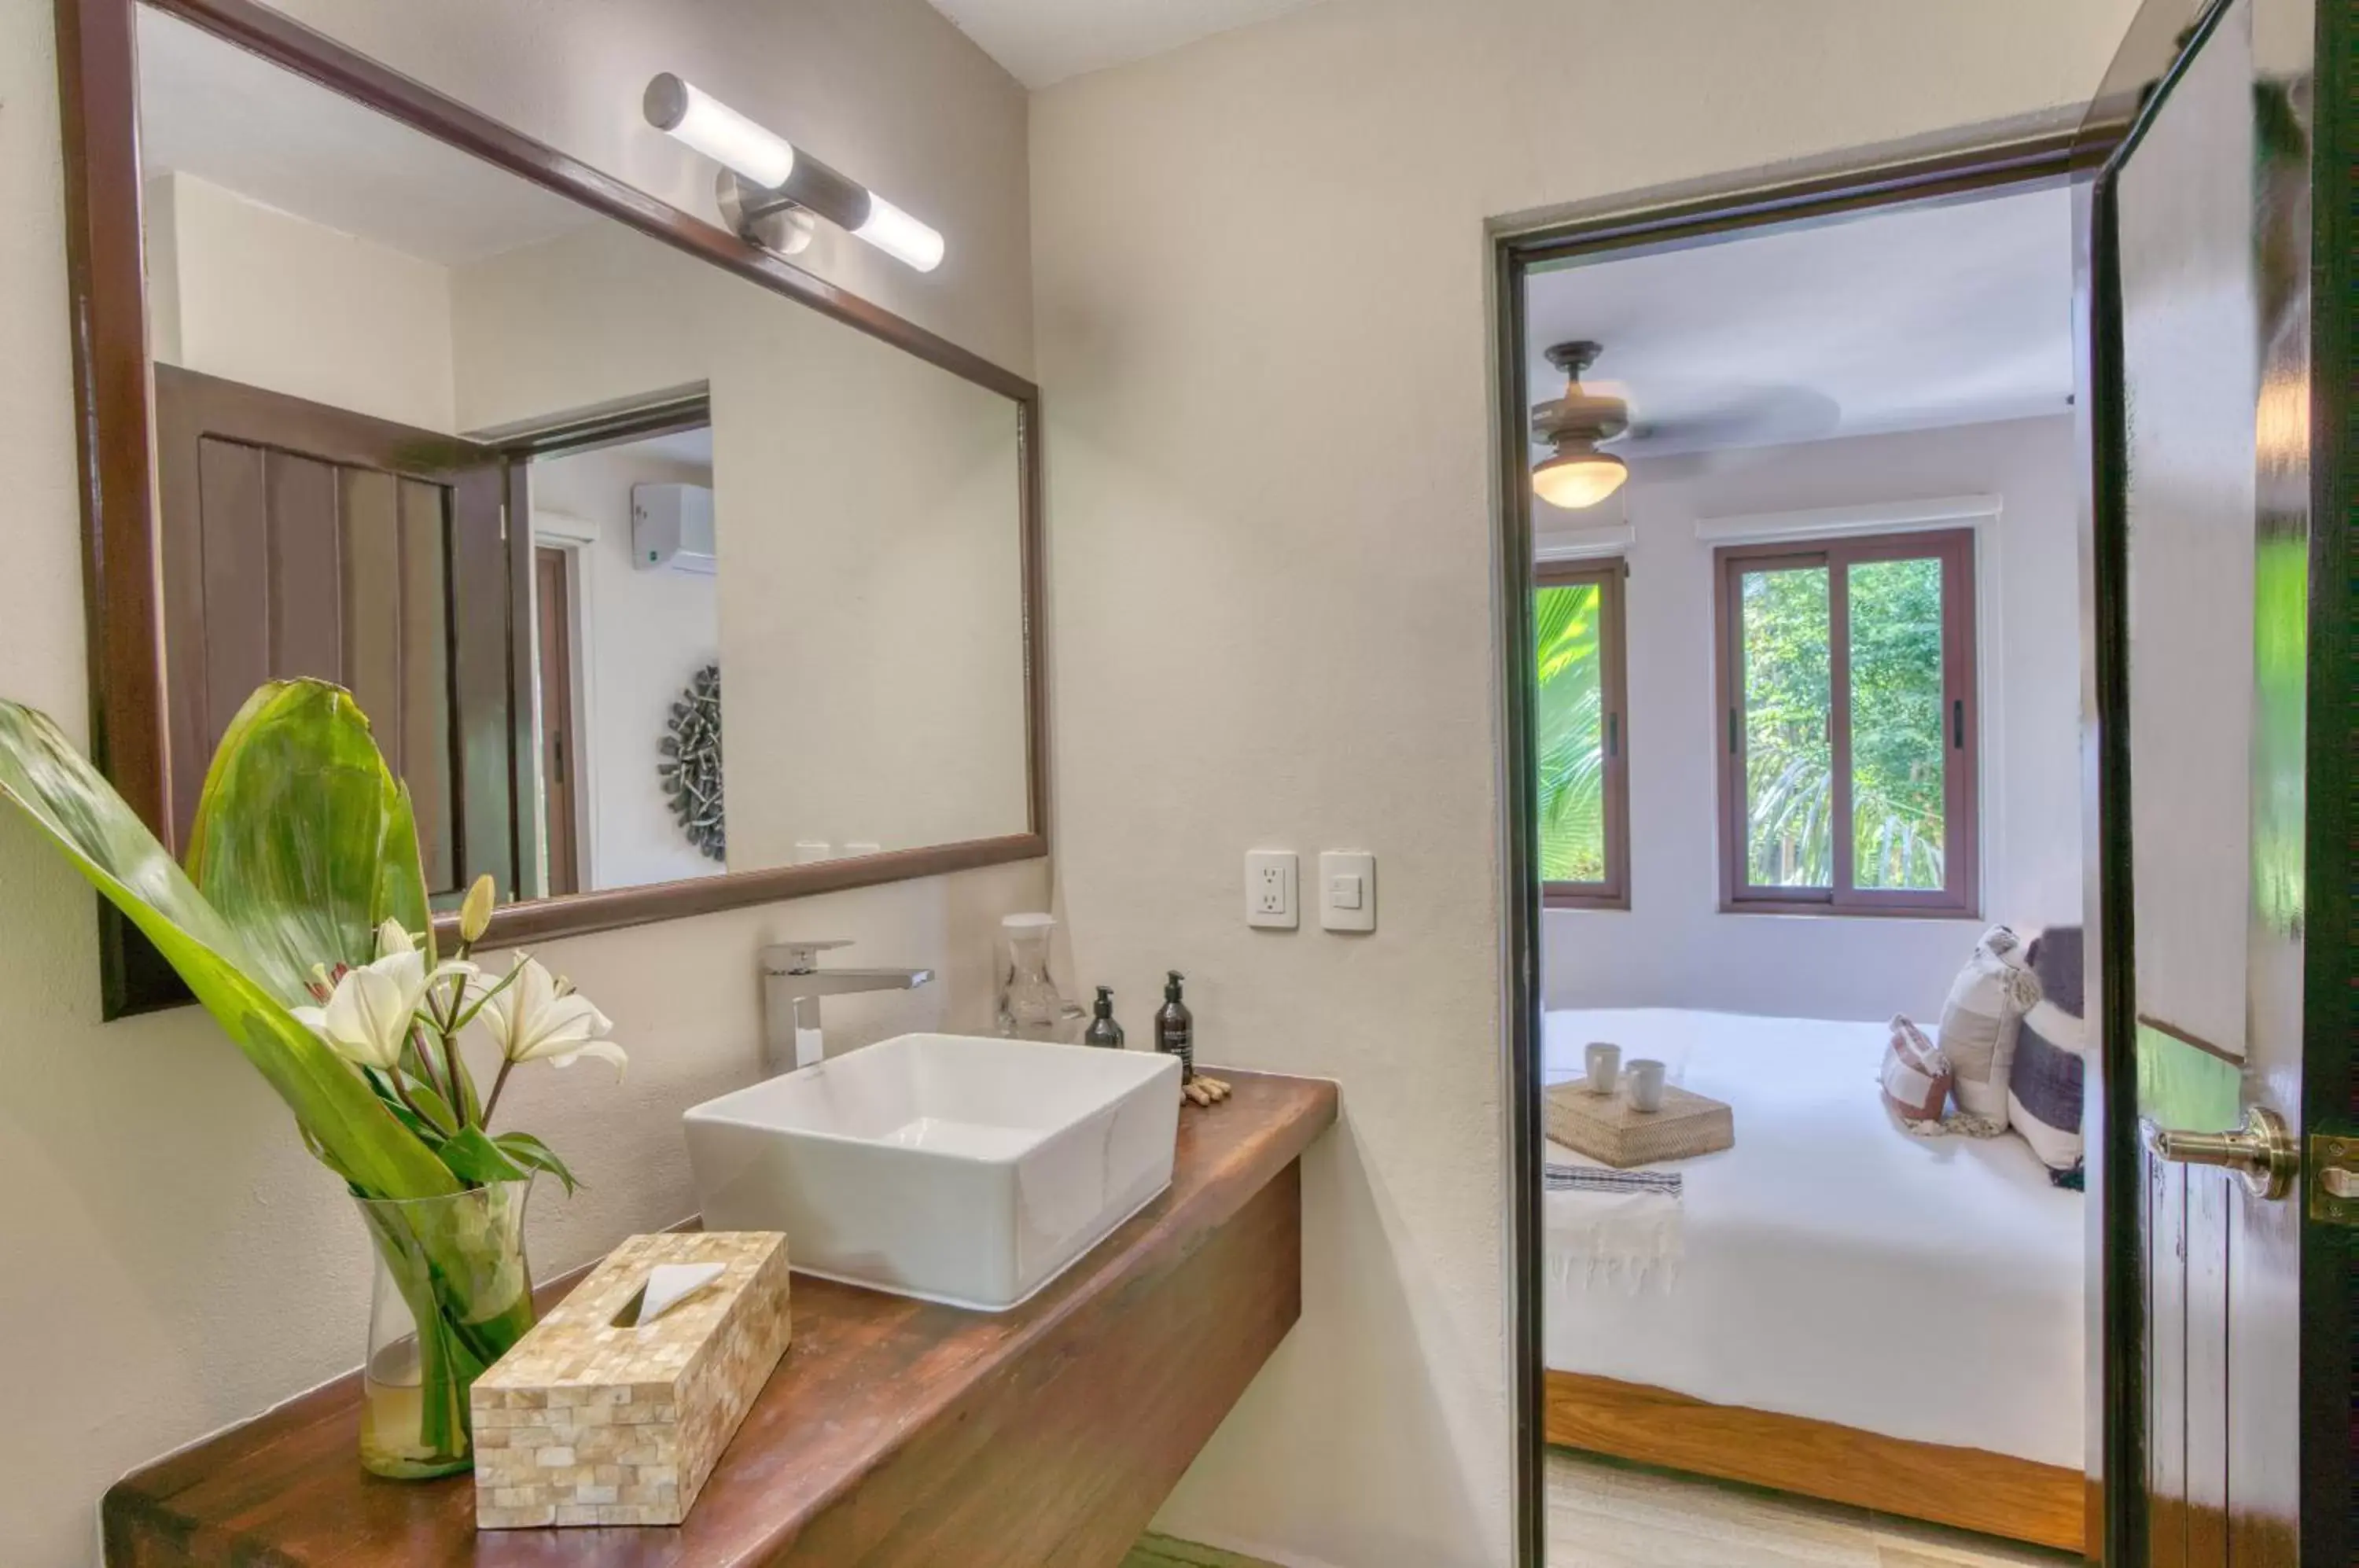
[[475, 914]]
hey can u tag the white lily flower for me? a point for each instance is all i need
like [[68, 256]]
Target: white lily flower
[[370, 1013], [368, 1016], [538, 1018]]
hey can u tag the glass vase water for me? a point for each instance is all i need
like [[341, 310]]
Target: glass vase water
[[452, 1293]]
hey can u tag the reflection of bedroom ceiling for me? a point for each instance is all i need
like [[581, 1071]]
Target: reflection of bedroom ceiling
[[1042, 42], [693, 447], [1912, 319], [212, 110]]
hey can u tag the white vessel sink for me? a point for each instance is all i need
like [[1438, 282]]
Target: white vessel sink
[[953, 1168]]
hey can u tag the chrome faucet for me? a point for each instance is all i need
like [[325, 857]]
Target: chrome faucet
[[792, 984]]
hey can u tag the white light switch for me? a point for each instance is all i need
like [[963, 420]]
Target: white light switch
[[1347, 890], [1270, 901]]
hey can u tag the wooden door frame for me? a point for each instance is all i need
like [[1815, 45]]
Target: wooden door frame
[[581, 574], [565, 557], [1852, 183], [2331, 997]]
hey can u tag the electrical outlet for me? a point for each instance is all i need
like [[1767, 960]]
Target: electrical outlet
[[1347, 890], [1270, 901]]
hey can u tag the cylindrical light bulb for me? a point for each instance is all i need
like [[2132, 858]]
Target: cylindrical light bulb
[[897, 234], [719, 132]]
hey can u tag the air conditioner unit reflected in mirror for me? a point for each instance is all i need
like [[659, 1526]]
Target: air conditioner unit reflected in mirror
[[671, 527]]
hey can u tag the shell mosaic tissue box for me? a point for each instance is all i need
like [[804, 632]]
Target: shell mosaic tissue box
[[616, 1406]]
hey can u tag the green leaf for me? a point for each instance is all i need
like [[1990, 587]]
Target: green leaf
[[476, 1160], [436, 1109], [303, 841], [526, 1150], [342, 1118]]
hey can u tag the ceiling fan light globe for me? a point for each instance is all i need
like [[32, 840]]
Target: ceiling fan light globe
[[1577, 480]]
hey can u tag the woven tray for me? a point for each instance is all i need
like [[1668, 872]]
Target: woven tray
[[1606, 1129]]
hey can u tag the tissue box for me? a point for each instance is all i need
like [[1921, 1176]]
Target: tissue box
[[589, 1422]]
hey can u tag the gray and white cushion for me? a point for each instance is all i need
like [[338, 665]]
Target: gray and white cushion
[[1979, 1022], [2046, 1082]]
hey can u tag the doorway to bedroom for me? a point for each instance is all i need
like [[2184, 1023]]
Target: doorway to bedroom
[[1806, 621]]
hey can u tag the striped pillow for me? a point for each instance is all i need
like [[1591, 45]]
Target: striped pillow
[[1916, 1077], [1978, 1027], [2047, 1085]]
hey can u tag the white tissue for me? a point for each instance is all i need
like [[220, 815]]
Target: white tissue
[[668, 1284]]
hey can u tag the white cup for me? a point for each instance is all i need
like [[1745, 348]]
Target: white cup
[[1605, 1063], [1645, 1084]]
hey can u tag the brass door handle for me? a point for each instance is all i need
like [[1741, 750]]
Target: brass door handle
[[2263, 1151]]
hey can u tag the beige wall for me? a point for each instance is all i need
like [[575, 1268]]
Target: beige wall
[[1261, 271], [178, 1261], [1673, 947], [866, 521], [254, 294]]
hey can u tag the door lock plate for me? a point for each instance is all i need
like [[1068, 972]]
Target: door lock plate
[[2334, 1178]]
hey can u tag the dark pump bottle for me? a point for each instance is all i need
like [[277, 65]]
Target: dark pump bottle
[[1102, 1030], [1175, 1028]]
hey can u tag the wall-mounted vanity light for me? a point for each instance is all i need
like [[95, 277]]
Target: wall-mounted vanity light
[[769, 191]]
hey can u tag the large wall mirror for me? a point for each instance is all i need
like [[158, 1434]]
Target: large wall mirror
[[669, 577]]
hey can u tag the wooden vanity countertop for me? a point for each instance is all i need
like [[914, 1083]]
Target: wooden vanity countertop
[[894, 1432]]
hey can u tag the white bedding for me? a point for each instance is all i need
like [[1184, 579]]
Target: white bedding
[[1834, 1267]]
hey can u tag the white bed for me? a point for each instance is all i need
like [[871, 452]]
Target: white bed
[[1834, 1267]]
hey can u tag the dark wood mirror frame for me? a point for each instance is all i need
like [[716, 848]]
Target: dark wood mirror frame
[[115, 421]]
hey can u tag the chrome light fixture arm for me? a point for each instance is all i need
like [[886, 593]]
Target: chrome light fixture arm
[[771, 191]]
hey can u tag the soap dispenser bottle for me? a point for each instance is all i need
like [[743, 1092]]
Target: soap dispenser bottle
[[1102, 1030], [1175, 1028]]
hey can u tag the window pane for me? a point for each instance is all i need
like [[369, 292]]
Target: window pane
[[1788, 761], [1897, 740], [1568, 627]]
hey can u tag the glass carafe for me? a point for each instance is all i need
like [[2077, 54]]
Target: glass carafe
[[1030, 1005]]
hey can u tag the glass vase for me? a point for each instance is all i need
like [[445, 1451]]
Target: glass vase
[[452, 1293]]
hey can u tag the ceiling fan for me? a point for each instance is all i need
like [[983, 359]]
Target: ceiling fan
[[1575, 426], [1575, 474]]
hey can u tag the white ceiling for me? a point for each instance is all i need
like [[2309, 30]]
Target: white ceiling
[[1908, 319], [212, 110], [1044, 41], [694, 448]]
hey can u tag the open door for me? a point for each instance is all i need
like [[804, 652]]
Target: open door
[[304, 540], [2221, 370]]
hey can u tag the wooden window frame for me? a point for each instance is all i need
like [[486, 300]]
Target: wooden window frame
[[1607, 574], [1961, 793]]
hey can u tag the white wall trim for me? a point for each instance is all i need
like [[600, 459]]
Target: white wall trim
[[1583, 544], [561, 529], [1881, 517]]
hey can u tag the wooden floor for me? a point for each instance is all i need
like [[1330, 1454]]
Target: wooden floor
[[1605, 1514], [1161, 1551]]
